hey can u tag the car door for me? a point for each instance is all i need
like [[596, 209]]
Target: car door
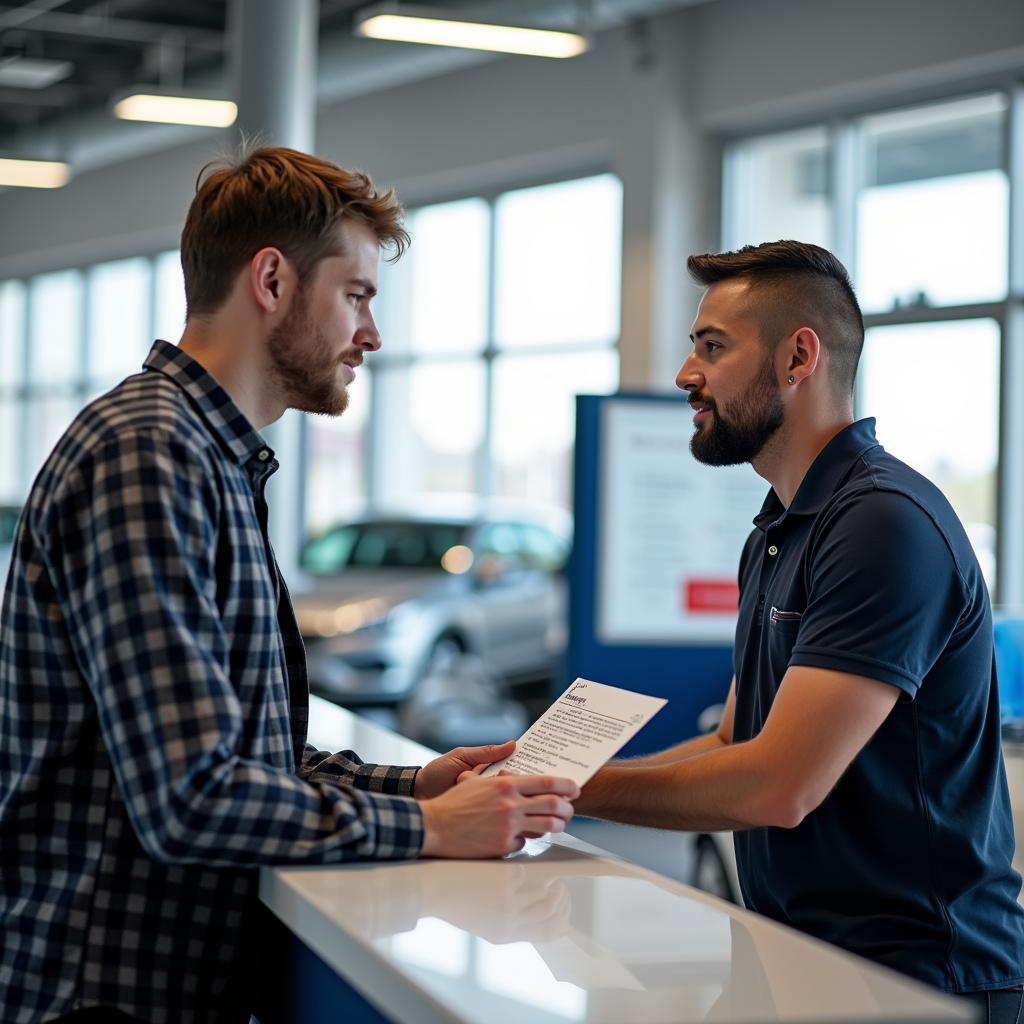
[[512, 599]]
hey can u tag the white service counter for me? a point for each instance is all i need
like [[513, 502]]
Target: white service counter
[[560, 932]]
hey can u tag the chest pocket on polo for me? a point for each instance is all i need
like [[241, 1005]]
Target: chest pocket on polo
[[781, 626]]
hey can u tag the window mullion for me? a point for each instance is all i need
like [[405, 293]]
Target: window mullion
[[485, 459], [846, 178], [1009, 529]]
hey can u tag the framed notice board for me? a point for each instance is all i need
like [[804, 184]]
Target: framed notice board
[[652, 578]]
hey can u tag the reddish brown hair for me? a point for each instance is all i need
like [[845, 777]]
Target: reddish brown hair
[[275, 197]]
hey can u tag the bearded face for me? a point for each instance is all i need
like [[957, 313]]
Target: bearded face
[[309, 371], [739, 430]]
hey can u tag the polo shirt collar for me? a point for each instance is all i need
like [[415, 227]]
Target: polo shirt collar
[[826, 473], [224, 418]]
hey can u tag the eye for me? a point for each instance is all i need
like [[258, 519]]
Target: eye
[[711, 346]]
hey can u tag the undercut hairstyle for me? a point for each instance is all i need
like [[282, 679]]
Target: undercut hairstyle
[[276, 197], [793, 285]]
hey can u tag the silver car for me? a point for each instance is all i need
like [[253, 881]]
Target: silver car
[[8, 524], [389, 600]]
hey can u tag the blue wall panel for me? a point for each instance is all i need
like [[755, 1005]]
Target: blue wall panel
[[690, 676]]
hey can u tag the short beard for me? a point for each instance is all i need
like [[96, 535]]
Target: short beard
[[303, 364], [745, 426]]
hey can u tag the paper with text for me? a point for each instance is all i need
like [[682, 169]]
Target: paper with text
[[584, 727]]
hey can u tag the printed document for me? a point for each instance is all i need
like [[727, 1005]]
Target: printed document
[[584, 727]]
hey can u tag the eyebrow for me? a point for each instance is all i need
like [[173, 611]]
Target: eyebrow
[[362, 282], [703, 332]]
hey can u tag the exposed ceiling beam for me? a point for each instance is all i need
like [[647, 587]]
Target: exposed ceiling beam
[[51, 96], [111, 30]]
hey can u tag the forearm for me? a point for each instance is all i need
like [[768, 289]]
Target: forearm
[[726, 787], [698, 745], [346, 768], [243, 813]]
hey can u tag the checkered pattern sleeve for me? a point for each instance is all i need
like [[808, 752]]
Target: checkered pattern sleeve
[[347, 768], [133, 543]]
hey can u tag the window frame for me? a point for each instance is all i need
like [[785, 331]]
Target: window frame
[[390, 360], [845, 181]]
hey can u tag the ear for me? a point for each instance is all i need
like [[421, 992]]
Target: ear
[[802, 354], [272, 280]]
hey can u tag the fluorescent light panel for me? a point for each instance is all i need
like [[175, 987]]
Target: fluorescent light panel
[[166, 109], [34, 173], [33, 72], [436, 28]]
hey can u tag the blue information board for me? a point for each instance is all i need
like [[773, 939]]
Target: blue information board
[[691, 675]]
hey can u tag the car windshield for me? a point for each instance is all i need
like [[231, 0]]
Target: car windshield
[[8, 523], [391, 544]]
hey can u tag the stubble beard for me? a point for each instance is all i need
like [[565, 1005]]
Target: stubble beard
[[304, 364], [744, 427]]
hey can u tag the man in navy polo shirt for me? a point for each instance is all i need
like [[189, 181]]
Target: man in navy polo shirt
[[858, 760]]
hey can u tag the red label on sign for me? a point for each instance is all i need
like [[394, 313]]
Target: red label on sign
[[713, 596]]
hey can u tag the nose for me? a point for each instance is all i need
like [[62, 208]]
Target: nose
[[689, 378], [367, 336]]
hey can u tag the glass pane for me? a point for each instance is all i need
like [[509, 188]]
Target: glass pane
[[431, 423], [48, 418], [434, 299], [776, 186], [559, 254], [535, 420], [904, 382], [933, 218], [336, 459], [448, 261], [12, 489], [119, 295], [56, 317], [12, 323], [169, 297]]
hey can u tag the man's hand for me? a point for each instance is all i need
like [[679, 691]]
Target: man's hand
[[441, 774], [490, 817]]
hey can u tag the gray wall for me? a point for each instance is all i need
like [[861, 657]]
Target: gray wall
[[654, 113]]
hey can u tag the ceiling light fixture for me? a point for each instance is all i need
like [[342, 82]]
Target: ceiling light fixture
[[23, 173], [153, 104], [407, 24], [19, 72]]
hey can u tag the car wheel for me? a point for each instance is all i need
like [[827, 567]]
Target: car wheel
[[443, 657], [709, 871]]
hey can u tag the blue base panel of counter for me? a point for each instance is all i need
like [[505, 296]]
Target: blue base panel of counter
[[296, 986]]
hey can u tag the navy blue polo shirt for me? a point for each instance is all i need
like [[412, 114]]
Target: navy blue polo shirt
[[907, 861]]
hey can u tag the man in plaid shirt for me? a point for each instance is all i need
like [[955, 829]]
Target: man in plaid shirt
[[153, 697]]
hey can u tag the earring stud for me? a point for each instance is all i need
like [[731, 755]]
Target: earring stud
[[791, 379]]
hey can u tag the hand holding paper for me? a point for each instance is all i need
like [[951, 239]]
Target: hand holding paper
[[585, 726]]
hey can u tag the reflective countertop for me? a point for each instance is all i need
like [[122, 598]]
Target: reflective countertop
[[564, 932]]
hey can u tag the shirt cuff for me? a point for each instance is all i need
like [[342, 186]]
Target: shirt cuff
[[394, 826], [858, 665]]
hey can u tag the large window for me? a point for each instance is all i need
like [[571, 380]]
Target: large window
[[68, 336], [777, 187], [933, 206], [505, 307], [916, 202], [12, 372]]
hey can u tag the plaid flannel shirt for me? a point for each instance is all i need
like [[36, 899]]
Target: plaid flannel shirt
[[153, 709]]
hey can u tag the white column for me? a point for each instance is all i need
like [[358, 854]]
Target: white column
[[669, 169]]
